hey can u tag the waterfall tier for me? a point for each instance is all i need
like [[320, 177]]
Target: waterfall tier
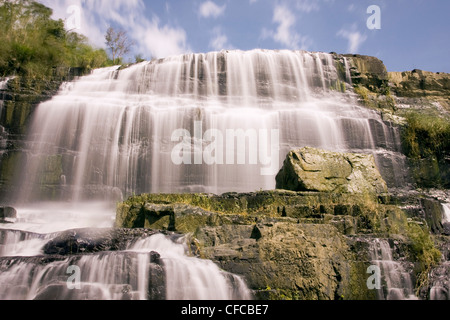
[[215, 122]]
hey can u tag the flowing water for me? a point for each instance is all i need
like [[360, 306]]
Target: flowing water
[[27, 272], [215, 122], [396, 283], [440, 275], [446, 212], [3, 134]]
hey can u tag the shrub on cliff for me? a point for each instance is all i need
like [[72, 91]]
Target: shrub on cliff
[[426, 135]]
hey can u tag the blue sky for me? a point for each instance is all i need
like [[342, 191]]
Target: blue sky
[[414, 34]]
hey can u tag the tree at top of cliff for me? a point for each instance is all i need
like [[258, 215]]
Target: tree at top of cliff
[[33, 44], [118, 43]]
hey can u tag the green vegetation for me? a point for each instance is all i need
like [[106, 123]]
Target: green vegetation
[[426, 135], [33, 45], [425, 253], [375, 100]]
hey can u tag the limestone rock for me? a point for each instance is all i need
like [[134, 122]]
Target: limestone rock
[[310, 169], [369, 72]]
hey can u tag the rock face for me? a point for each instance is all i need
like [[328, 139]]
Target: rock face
[[285, 244], [369, 72], [422, 84], [310, 169], [85, 241], [7, 213]]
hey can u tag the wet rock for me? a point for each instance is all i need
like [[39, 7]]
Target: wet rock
[[433, 215], [7, 213], [82, 241]]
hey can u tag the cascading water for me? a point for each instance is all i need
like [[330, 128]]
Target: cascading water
[[446, 213], [3, 134], [192, 278], [26, 272], [396, 283], [440, 276], [114, 132], [215, 122]]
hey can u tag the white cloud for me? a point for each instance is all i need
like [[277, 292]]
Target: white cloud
[[355, 39], [285, 33], [151, 37], [307, 5], [210, 9], [219, 40], [159, 41]]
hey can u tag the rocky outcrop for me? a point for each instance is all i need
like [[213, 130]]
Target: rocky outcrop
[[85, 241], [284, 259], [286, 245], [310, 169], [419, 86], [369, 72], [7, 213]]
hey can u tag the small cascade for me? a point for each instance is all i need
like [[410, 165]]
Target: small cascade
[[149, 268], [3, 133], [396, 283], [440, 275], [440, 288], [17, 243], [189, 278], [446, 213]]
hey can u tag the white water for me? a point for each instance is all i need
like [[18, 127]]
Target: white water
[[27, 234], [192, 278], [396, 282], [446, 210], [3, 86], [26, 273], [111, 131], [4, 82]]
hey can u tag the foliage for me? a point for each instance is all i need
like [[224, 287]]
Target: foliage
[[375, 100], [425, 252], [426, 135], [34, 45]]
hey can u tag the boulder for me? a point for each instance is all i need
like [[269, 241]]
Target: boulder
[[85, 241], [310, 169], [7, 213]]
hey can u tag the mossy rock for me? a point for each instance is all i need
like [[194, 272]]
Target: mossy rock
[[310, 169]]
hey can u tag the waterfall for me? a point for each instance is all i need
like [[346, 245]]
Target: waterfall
[[191, 278], [446, 211], [150, 268], [396, 283], [3, 134], [440, 275], [113, 133], [15, 243], [4, 82], [208, 122]]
